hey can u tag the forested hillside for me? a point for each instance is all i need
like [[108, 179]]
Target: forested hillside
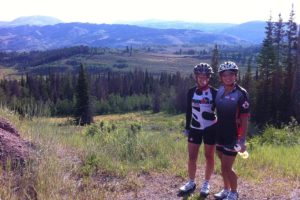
[[26, 38], [157, 78]]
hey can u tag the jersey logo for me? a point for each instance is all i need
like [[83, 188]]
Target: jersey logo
[[205, 100], [245, 105]]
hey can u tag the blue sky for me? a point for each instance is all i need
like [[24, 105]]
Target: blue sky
[[111, 11]]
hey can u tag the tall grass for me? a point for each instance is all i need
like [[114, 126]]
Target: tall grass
[[69, 158], [134, 145], [274, 153]]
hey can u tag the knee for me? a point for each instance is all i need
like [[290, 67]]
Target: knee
[[226, 168], [192, 159], [209, 156]]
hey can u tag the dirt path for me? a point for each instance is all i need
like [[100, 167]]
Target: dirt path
[[160, 186], [164, 186]]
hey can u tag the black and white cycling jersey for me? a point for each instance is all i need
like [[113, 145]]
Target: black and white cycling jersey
[[200, 108]]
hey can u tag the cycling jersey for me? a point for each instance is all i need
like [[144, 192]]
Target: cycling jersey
[[200, 108], [229, 109]]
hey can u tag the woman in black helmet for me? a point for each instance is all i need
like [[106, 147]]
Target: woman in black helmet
[[233, 112], [200, 125]]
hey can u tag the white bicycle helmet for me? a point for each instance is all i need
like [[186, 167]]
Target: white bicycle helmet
[[228, 65], [203, 68]]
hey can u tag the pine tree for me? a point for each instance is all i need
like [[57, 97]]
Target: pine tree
[[296, 83], [214, 81], [83, 111], [249, 84], [247, 79], [266, 63], [277, 106], [290, 64], [156, 105]]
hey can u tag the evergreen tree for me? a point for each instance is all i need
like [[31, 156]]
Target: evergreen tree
[[83, 111], [214, 81], [290, 64], [266, 63], [249, 84], [156, 106], [277, 96], [247, 79], [296, 84]]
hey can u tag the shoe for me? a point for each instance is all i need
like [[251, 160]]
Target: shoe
[[189, 186], [232, 196], [222, 194], [204, 191]]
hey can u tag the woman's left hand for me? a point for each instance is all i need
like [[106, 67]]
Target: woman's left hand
[[242, 143]]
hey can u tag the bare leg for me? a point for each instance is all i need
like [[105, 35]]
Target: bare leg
[[209, 151], [225, 180], [228, 172], [192, 163]]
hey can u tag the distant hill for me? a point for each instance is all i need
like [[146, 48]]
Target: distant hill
[[24, 38], [32, 21], [253, 31], [210, 27]]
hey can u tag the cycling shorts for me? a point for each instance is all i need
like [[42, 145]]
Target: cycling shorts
[[227, 150], [208, 135]]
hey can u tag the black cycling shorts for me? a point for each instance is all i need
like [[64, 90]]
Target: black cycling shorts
[[226, 149], [208, 136]]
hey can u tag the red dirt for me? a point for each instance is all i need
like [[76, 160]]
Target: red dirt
[[14, 150], [14, 154]]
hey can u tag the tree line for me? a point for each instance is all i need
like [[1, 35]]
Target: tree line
[[275, 95], [56, 94]]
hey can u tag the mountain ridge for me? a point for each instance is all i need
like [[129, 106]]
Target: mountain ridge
[[42, 37], [36, 20]]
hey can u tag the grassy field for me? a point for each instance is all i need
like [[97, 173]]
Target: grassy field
[[7, 72], [69, 158], [153, 62], [116, 60]]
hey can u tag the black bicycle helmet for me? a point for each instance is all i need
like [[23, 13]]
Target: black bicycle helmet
[[203, 68]]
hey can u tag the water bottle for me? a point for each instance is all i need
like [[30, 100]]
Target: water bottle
[[244, 154]]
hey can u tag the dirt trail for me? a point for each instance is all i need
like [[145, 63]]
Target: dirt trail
[[163, 186], [159, 186]]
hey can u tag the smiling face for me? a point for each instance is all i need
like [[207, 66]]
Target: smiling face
[[202, 80], [228, 78]]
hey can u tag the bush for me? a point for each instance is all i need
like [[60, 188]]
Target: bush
[[99, 128], [285, 136], [90, 164], [92, 130]]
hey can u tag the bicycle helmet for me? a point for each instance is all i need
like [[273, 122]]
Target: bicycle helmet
[[228, 65], [203, 68]]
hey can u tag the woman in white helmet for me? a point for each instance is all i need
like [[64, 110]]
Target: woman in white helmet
[[233, 112], [200, 125]]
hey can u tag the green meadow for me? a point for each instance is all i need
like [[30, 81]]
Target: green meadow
[[67, 158]]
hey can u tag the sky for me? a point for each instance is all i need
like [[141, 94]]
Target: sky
[[114, 11]]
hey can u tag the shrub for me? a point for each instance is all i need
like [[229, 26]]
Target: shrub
[[90, 164], [285, 136]]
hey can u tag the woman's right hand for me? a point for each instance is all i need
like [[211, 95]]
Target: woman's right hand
[[186, 132]]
